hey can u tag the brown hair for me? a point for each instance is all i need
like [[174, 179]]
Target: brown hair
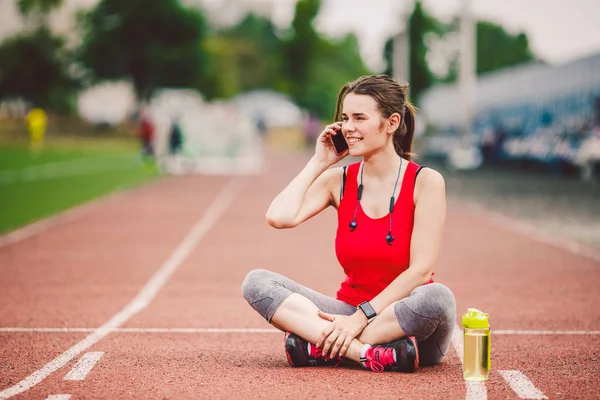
[[391, 97]]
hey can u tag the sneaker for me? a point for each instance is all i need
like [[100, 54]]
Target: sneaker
[[401, 355], [301, 353]]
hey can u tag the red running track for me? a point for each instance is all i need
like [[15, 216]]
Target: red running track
[[82, 272]]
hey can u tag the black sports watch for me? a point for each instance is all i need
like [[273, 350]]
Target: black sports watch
[[368, 310]]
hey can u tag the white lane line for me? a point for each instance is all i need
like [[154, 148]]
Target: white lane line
[[519, 332], [457, 343], [59, 397], [260, 330], [533, 232], [198, 330], [522, 386], [146, 330], [475, 390], [83, 366], [143, 298]]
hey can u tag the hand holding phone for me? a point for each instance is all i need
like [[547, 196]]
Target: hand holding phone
[[339, 143], [331, 145]]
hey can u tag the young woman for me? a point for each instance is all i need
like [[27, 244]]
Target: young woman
[[388, 314]]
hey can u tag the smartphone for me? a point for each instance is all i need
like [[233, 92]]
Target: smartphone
[[339, 143]]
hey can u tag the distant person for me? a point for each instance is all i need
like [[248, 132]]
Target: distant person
[[146, 134], [175, 138], [597, 111], [388, 313], [261, 126], [488, 143], [36, 124], [262, 131]]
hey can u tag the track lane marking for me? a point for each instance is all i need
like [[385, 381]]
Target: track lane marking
[[143, 298], [83, 366], [517, 380], [253, 330], [475, 390], [145, 330], [525, 332], [59, 397], [522, 386]]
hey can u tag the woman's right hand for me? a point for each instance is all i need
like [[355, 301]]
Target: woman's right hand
[[324, 150]]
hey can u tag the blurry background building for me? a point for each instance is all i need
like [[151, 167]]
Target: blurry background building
[[533, 115]]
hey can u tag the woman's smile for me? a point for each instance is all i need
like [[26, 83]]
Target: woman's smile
[[353, 140]]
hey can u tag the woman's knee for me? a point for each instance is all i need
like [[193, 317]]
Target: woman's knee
[[265, 291], [255, 283], [440, 302], [433, 301]]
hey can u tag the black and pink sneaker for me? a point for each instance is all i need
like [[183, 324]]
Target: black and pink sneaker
[[301, 353], [400, 355]]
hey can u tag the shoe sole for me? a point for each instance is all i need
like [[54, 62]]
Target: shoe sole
[[289, 344], [287, 354]]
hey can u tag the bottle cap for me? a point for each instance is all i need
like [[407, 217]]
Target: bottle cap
[[475, 319]]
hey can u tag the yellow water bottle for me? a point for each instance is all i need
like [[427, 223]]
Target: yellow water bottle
[[477, 346]]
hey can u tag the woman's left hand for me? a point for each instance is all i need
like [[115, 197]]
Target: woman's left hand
[[336, 338]]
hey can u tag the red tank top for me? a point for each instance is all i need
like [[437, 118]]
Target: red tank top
[[369, 262]]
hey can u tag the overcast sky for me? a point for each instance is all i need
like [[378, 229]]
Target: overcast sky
[[558, 30]]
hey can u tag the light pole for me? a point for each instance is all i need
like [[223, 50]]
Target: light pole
[[467, 77]]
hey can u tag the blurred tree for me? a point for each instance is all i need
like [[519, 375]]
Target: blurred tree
[[316, 68], [388, 56], [497, 49], [245, 57], [36, 12], [335, 64], [223, 79], [301, 48], [155, 43], [27, 7], [33, 66], [420, 24]]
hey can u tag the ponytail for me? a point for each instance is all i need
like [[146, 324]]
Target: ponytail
[[403, 137]]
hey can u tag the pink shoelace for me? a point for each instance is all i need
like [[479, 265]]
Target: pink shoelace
[[379, 357], [317, 352]]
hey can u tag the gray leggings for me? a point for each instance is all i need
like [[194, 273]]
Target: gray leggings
[[428, 313]]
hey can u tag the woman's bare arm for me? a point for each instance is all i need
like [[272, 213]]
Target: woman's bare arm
[[309, 193]]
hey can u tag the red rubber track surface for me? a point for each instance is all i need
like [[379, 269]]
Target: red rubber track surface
[[80, 273]]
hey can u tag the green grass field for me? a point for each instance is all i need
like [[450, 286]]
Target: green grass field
[[68, 172]]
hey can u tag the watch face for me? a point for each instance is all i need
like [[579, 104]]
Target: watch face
[[368, 310]]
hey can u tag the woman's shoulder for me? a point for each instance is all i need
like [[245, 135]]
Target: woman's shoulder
[[337, 178], [333, 176], [345, 169], [428, 180]]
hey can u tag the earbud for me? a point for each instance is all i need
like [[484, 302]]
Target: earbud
[[352, 226], [389, 238]]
